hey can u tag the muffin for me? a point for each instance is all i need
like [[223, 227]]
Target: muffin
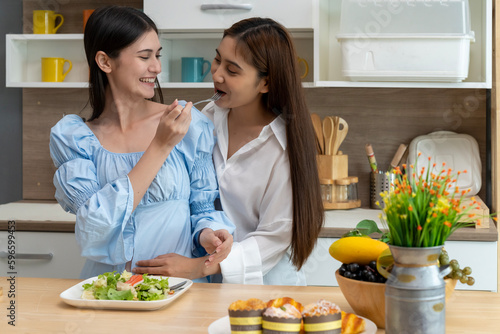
[[246, 315], [282, 316], [322, 317]]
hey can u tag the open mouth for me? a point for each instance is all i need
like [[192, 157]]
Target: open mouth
[[220, 92]]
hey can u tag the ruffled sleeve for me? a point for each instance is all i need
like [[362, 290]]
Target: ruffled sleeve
[[197, 147], [103, 228]]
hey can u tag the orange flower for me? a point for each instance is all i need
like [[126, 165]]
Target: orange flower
[[419, 228], [447, 223], [410, 208]]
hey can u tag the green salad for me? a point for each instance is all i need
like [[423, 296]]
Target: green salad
[[125, 286]]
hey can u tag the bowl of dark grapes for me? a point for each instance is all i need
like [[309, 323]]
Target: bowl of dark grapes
[[364, 289]]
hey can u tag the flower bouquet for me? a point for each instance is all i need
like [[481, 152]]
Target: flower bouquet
[[423, 209]]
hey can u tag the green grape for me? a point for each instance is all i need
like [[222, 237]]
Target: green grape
[[454, 265], [444, 259], [464, 279], [471, 281], [457, 274], [467, 271]]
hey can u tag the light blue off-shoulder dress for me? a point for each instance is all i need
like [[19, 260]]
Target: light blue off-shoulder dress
[[92, 183]]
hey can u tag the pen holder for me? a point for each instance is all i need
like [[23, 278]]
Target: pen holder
[[380, 182], [332, 167]]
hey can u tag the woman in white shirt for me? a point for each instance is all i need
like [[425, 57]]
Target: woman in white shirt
[[265, 160]]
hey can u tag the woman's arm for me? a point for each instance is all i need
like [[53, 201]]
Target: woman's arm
[[173, 125]]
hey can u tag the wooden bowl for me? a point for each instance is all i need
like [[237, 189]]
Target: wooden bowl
[[368, 299]]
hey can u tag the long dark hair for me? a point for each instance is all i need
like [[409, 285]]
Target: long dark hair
[[111, 29], [267, 45]]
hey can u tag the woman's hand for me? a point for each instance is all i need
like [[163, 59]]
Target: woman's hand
[[173, 265], [173, 126], [217, 244]]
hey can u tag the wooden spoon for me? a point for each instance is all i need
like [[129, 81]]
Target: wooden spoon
[[340, 133], [316, 121], [328, 130]]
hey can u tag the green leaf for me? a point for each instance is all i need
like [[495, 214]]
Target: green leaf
[[120, 295], [368, 227]]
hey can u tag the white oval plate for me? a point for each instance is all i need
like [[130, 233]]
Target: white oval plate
[[222, 326], [73, 296]]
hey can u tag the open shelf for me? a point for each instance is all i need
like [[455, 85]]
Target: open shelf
[[317, 45], [328, 59]]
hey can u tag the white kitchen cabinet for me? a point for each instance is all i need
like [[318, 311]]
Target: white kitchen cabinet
[[221, 14], [42, 254], [188, 31], [480, 256]]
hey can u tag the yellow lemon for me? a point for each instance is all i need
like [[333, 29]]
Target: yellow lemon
[[357, 249]]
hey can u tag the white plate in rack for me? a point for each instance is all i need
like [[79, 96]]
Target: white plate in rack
[[222, 326], [73, 296]]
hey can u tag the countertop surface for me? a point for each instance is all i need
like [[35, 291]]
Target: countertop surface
[[39, 309], [50, 217]]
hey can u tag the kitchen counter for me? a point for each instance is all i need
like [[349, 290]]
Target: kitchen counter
[[50, 217], [38, 309]]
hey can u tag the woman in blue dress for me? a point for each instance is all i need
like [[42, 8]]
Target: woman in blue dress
[[138, 174]]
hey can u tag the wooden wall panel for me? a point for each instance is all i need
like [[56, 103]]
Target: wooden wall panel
[[388, 117], [383, 117]]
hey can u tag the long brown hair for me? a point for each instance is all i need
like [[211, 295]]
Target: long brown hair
[[267, 45]]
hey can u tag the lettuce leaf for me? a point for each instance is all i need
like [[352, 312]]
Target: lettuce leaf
[[120, 295]]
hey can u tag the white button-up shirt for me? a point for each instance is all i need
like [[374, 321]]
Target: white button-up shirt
[[256, 194]]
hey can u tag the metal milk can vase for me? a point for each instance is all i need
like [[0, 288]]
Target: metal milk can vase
[[415, 292]]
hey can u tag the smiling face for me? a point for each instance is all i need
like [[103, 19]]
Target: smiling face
[[134, 71], [235, 77]]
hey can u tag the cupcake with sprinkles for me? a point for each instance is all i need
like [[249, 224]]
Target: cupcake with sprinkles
[[245, 316], [282, 316], [322, 317]]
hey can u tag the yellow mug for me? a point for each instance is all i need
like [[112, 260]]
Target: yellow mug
[[44, 21], [306, 67], [53, 69]]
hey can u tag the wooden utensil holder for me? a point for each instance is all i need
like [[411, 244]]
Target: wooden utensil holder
[[332, 166], [335, 167]]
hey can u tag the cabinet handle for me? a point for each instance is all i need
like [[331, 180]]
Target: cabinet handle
[[28, 256], [226, 6]]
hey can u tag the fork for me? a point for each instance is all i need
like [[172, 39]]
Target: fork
[[214, 98], [178, 286]]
